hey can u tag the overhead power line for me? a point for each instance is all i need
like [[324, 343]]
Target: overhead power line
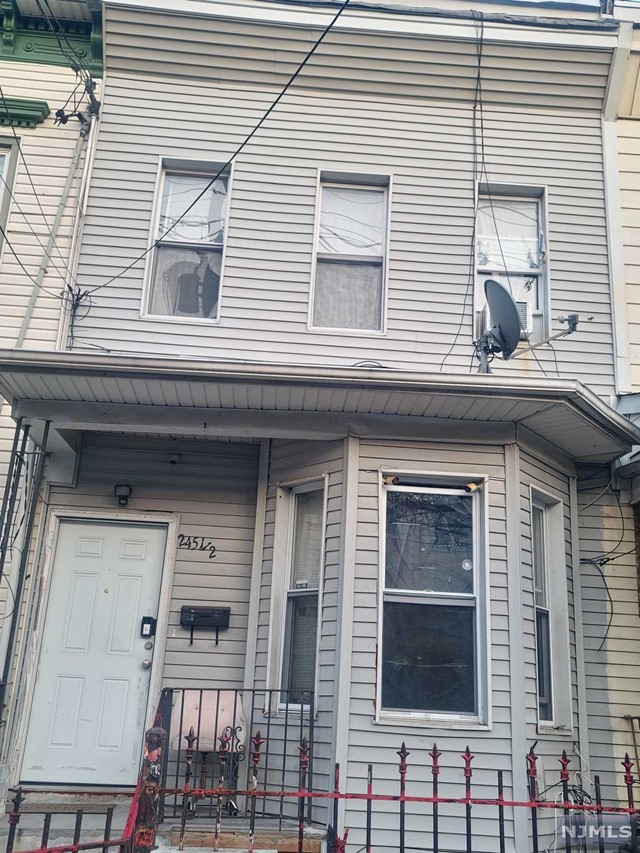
[[237, 151]]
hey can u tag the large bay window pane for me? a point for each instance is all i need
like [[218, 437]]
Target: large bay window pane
[[428, 658], [429, 646], [429, 544]]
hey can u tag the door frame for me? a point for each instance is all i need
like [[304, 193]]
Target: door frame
[[56, 516]]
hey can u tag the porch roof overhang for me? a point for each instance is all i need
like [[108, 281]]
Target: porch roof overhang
[[77, 391]]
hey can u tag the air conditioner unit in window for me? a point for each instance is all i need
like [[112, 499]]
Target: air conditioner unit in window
[[525, 312]]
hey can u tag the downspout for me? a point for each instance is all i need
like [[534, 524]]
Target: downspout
[[613, 208], [22, 571], [48, 249]]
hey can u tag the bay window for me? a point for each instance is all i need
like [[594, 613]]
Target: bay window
[[431, 602]]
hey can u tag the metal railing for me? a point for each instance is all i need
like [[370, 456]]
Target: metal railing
[[410, 814], [207, 741], [75, 843]]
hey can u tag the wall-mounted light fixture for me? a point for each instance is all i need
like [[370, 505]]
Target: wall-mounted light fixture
[[123, 492]]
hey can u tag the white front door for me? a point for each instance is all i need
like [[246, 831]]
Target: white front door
[[88, 711]]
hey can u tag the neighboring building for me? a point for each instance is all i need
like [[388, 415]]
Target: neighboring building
[[270, 404], [42, 159]]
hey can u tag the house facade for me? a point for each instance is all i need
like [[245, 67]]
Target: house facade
[[279, 476]]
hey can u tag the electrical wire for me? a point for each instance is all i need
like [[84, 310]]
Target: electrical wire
[[596, 564], [6, 240], [76, 61], [479, 27], [237, 151], [28, 174], [68, 275]]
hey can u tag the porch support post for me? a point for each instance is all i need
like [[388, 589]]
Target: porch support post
[[346, 588], [516, 653], [256, 581]]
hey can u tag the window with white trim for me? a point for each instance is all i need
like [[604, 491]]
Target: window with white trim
[[551, 612], [539, 542], [5, 184], [350, 268], [186, 264], [304, 582], [510, 248], [432, 601]]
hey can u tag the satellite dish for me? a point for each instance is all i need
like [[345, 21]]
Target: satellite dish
[[505, 319], [504, 335]]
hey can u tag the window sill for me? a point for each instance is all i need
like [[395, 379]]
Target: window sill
[[430, 722], [357, 333], [548, 730], [168, 318]]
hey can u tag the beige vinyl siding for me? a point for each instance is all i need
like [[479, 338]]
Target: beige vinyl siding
[[613, 688], [420, 135], [378, 743], [292, 462], [47, 150], [213, 491], [629, 174]]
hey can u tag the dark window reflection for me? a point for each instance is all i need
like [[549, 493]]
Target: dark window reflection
[[428, 657]]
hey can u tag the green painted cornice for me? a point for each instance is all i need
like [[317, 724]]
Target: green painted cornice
[[31, 40], [21, 112]]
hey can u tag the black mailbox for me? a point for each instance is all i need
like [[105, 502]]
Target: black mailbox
[[192, 617]]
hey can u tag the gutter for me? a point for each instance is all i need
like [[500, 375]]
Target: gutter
[[411, 22], [468, 15], [551, 390]]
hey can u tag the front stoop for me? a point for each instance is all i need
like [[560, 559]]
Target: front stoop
[[284, 840]]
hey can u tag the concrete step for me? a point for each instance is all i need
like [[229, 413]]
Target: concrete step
[[284, 840]]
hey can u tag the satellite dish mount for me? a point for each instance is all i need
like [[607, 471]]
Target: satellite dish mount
[[504, 335]]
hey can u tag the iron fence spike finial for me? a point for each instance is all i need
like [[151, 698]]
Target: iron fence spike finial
[[532, 758], [467, 758], [564, 765], [628, 765]]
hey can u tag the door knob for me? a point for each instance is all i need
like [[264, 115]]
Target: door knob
[[146, 664]]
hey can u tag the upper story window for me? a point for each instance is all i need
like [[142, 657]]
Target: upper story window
[[5, 182], [186, 265], [351, 250], [432, 604], [510, 247]]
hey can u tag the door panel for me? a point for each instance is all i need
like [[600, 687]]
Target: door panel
[[91, 689]]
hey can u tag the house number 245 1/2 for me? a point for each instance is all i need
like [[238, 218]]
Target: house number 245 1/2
[[197, 543]]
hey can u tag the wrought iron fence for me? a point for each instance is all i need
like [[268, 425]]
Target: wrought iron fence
[[577, 821], [75, 844], [207, 740]]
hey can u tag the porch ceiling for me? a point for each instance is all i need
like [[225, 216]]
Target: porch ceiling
[[170, 396]]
